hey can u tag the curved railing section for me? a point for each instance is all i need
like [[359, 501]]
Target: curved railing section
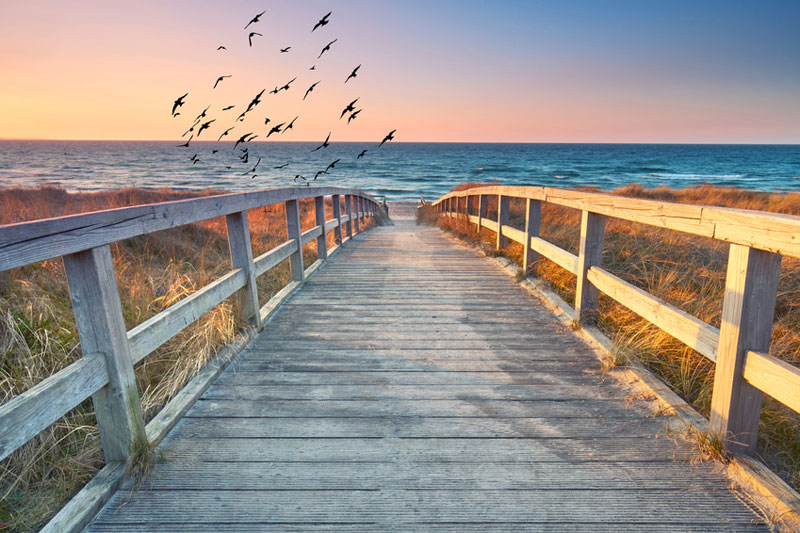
[[739, 347], [106, 370]]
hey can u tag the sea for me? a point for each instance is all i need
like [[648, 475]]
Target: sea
[[402, 171]]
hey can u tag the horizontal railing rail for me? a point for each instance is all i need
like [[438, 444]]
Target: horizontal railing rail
[[744, 370], [106, 371]]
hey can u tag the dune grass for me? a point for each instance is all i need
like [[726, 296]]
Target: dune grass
[[38, 336], [685, 270]]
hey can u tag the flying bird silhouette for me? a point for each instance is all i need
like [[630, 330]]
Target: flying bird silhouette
[[253, 170], [313, 67], [352, 74], [324, 144], [275, 129], [310, 89], [220, 79], [200, 117], [245, 157], [205, 126], [326, 48], [281, 166], [186, 144], [389, 137], [318, 174], [290, 126], [274, 91], [323, 21], [284, 50], [221, 48], [331, 165], [224, 133], [353, 115], [254, 102], [242, 139], [250, 37], [191, 129], [228, 107], [350, 107], [255, 19], [286, 87], [177, 114], [179, 102], [299, 176], [362, 154], [266, 121], [194, 159]]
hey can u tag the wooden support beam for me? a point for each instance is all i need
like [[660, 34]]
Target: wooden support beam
[[503, 204], [293, 229], [337, 214], [748, 310], [101, 329], [533, 222], [348, 206], [591, 254], [354, 214], [322, 240], [483, 202], [241, 250]]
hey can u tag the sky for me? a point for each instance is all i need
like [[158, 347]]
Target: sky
[[436, 70]]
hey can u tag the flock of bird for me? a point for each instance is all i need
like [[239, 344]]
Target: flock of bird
[[203, 122]]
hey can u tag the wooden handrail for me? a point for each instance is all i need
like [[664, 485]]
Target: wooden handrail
[[105, 372], [757, 239]]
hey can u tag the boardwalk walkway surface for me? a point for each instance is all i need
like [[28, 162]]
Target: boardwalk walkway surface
[[412, 386]]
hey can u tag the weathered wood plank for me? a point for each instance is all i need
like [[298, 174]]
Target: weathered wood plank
[[533, 223], [241, 250], [269, 308], [688, 329], [337, 215], [293, 231], [310, 234], [503, 216], [322, 239], [27, 414], [591, 254], [270, 259], [779, 379], [158, 329]]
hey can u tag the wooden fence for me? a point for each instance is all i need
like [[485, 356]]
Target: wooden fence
[[106, 370], [744, 369]]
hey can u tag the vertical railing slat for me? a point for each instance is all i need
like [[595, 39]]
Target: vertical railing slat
[[241, 250], [348, 205], [591, 254], [293, 230], [322, 240], [337, 214], [503, 204], [533, 223]]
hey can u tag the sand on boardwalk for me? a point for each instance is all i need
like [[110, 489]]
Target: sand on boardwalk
[[403, 210]]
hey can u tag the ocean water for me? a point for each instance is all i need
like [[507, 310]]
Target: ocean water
[[401, 171]]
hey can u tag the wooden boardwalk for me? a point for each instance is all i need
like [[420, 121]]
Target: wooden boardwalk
[[412, 386]]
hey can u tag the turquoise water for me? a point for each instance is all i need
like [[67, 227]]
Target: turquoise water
[[402, 171]]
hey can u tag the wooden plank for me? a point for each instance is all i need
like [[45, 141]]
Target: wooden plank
[[483, 202], [490, 224], [158, 329], [354, 214], [29, 242], [688, 329], [101, 329], [503, 214], [241, 250], [331, 224], [269, 308], [771, 375], [748, 309], [559, 256], [293, 231], [533, 223], [31, 412], [322, 239], [310, 234], [337, 214], [272, 258], [591, 254], [348, 207]]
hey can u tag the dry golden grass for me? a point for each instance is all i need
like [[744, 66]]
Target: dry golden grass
[[684, 270], [38, 338]]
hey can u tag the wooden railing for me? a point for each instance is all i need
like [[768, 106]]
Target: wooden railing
[[106, 370], [744, 370]]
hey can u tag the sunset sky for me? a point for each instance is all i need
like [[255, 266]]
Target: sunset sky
[[467, 70]]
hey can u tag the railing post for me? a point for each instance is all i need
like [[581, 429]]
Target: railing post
[[458, 206], [591, 254], [469, 206], [241, 249], [348, 206], [293, 230], [101, 328], [483, 202], [503, 204], [748, 311], [322, 240], [337, 214], [355, 215], [533, 222]]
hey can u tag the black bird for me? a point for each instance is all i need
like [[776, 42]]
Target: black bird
[[313, 67], [266, 121], [284, 50], [352, 74], [299, 176], [281, 166], [186, 144], [310, 89], [254, 168], [179, 102], [286, 87], [245, 157], [224, 133], [362, 154], [326, 48], [194, 159], [205, 126], [250, 37], [255, 19], [274, 91], [254, 102], [244, 150], [318, 173], [228, 107], [389, 137], [350, 108], [214, 151], [241, 116], [331, 165], [177, 114], [353, 115], [324, 144], [290, 126], [242, 139], [323, 21], [201, 116], [253, 176], [220, 79], [191, 129], [275, 129], [221, 48]]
